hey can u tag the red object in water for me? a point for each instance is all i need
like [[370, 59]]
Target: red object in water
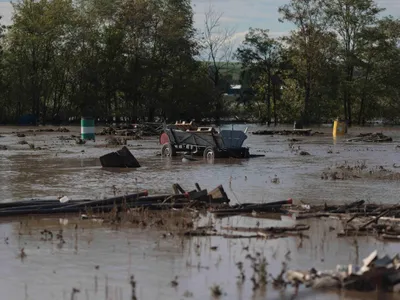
[[164, 139], [146, 192], [290, 201], [187, 195]]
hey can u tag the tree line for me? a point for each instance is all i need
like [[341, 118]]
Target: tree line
[[341, 60], [144, 60]]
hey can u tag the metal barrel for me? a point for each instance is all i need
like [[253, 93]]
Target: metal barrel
[[87, 129]]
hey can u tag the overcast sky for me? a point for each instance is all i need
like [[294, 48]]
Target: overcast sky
[[240, 14]]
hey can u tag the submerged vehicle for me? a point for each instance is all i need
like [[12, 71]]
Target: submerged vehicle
[[205, 141]]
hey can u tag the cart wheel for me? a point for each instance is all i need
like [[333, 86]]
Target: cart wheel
[[209, 153], [168, 150]]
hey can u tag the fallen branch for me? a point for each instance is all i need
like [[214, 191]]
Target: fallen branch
[[375, 220], [298, 227], [240, 236]]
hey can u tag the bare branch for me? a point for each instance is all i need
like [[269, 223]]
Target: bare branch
[[217, 41]]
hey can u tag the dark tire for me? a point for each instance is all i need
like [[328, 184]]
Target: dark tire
[[209, 153], [167, 150]]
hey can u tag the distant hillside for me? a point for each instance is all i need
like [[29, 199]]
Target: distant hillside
[[231, 70]]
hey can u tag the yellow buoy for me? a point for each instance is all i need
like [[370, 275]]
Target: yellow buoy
[[339, 128]]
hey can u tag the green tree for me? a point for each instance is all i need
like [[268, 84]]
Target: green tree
[[310, 50], [260, 56], [4, 107], [36, 48], [349, 19], [379, 54]]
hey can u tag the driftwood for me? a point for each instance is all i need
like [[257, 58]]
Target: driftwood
[[259, 234], [349, 211], [240, 236], [345, 208], [377, 137], [296, 228], [380, 230], [245, 208], [386, 236], [200, 233], [304, 216], [374, 220], [140, 200], [382, 274], [365, 229]]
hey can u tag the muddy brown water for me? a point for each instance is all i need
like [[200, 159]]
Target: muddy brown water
[[51, 270]]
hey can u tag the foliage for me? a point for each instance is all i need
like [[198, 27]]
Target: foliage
[[144, 60], [262, 58], [105, 59], [342, 57]]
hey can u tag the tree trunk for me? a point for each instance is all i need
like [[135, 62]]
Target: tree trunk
[[363, 97], [307, 97], [349, 80], [274, 99], [269, 99]]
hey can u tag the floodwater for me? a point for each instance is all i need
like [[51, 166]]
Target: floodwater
[[51, 270]]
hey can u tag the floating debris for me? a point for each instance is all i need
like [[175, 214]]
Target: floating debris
[[120, 204], [376, 137], [375, 274], [303, 132], [358, 170], [116, 141], [304, 153], [135, 131], [246, 208], [120, 159]]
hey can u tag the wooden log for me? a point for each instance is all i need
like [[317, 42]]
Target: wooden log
[[312, 215], [113, 200], [241, 236], [41, 206], [228, 211], [35, 202], [354, 233], [343, 208], [160, 198], [250, 207], [94, 208], [298, 227], [375, 219], [178, 189], [390, 236], [197, 187], [199, 233]]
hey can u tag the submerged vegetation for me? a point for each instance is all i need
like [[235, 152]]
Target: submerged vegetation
[[144, 60]]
